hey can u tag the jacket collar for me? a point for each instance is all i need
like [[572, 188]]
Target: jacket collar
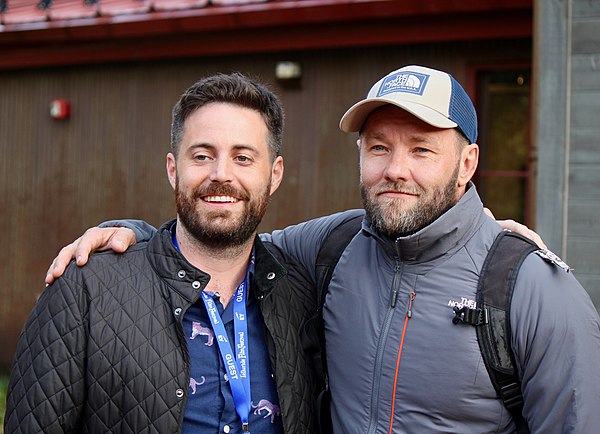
[[189, 281], [440, 238]]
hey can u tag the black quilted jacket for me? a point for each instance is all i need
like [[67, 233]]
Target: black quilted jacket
[[103, 350]]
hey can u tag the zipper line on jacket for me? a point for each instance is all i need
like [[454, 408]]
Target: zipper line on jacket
[[374, 408], [408, 316]]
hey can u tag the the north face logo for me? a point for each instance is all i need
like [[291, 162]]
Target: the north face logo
[[464, 302], [411, 82]]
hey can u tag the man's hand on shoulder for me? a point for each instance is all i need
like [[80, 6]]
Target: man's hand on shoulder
[[94, 239], [513, 226]]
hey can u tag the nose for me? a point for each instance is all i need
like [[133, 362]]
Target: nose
[[221, 170], [397, 166]]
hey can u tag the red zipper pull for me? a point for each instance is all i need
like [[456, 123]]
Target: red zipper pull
[[410, 303]]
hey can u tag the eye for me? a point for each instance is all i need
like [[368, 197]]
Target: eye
[[200, 157], [378, 149], [421, 150], [243, 159]]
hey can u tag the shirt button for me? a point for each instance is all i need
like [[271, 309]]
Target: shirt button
[[181, 274], [179, 393], [226, 429], [271, 276], [177, 311], [195, 284]]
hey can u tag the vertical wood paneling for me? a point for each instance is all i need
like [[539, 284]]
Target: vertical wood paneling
[[550, 118], [583, 230], [108, 160]]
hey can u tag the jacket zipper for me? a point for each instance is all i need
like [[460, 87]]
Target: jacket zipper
[[408, 316], [373, 418]]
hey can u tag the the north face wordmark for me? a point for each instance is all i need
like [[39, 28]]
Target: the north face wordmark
[[411, 82], [464, 302]]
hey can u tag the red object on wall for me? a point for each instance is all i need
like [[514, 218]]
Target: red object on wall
[[60, 109]]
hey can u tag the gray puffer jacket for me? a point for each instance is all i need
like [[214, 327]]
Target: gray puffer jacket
[[103, 350], [398, 364]]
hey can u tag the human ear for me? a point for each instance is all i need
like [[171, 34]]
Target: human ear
[[171, 170], [469, 158], [276, 173]]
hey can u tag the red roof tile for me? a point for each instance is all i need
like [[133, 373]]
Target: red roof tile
[[123, 7], [70, 10], [27, 11], [23, 11], [173, 5]]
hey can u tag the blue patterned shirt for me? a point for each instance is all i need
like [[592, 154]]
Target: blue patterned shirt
[[210, 407]]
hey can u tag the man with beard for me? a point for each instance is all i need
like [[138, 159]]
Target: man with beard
[[169, 337], [396, 361]]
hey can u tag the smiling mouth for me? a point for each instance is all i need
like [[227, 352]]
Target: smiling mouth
[[220, 199]]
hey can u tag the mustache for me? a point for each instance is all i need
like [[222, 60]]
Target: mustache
[[398, 186], [220, 190]]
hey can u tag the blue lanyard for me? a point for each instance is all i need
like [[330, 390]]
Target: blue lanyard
[[238, 366]]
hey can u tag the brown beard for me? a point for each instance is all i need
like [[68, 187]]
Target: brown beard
[[400, 223], [220, 236]]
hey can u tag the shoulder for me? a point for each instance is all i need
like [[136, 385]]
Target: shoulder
[[318, 226], [547, 292], [544, 274], [104, 267]]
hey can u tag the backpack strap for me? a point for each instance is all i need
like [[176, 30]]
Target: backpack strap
[[329, 254], [491, 318]]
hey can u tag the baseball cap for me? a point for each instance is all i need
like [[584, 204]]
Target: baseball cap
[[431, 95]]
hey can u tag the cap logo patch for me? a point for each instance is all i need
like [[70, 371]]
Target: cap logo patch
[[411, 82]]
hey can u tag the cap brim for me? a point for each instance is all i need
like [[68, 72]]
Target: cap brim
[[354, 118]]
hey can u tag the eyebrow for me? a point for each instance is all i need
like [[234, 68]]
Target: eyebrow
[[208, 146], [414, 138]]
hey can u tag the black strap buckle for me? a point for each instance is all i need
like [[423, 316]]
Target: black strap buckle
[[470, 316], [511, 395]]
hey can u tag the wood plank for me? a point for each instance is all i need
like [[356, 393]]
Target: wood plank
[[584, 252], [549, 122], [584, 108], [585, 71], [585, 145], [584, 218], [584, 180], [585, 36], [585, 8]]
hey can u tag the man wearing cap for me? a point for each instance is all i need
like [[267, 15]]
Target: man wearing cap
[[396, 362]]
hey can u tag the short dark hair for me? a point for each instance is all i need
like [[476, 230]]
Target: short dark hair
[[234, 88]]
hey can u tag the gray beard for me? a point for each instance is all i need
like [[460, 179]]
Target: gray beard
[[399, 223]]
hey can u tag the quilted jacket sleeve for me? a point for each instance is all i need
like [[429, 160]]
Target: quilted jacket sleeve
[[46, 392]]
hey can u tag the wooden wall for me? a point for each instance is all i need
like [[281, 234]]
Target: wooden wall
[[108, 160], [567, 73]]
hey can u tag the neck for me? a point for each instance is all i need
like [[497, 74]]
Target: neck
[[226, 266]]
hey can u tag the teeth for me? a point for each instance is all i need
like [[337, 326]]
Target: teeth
[[220, 199]]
